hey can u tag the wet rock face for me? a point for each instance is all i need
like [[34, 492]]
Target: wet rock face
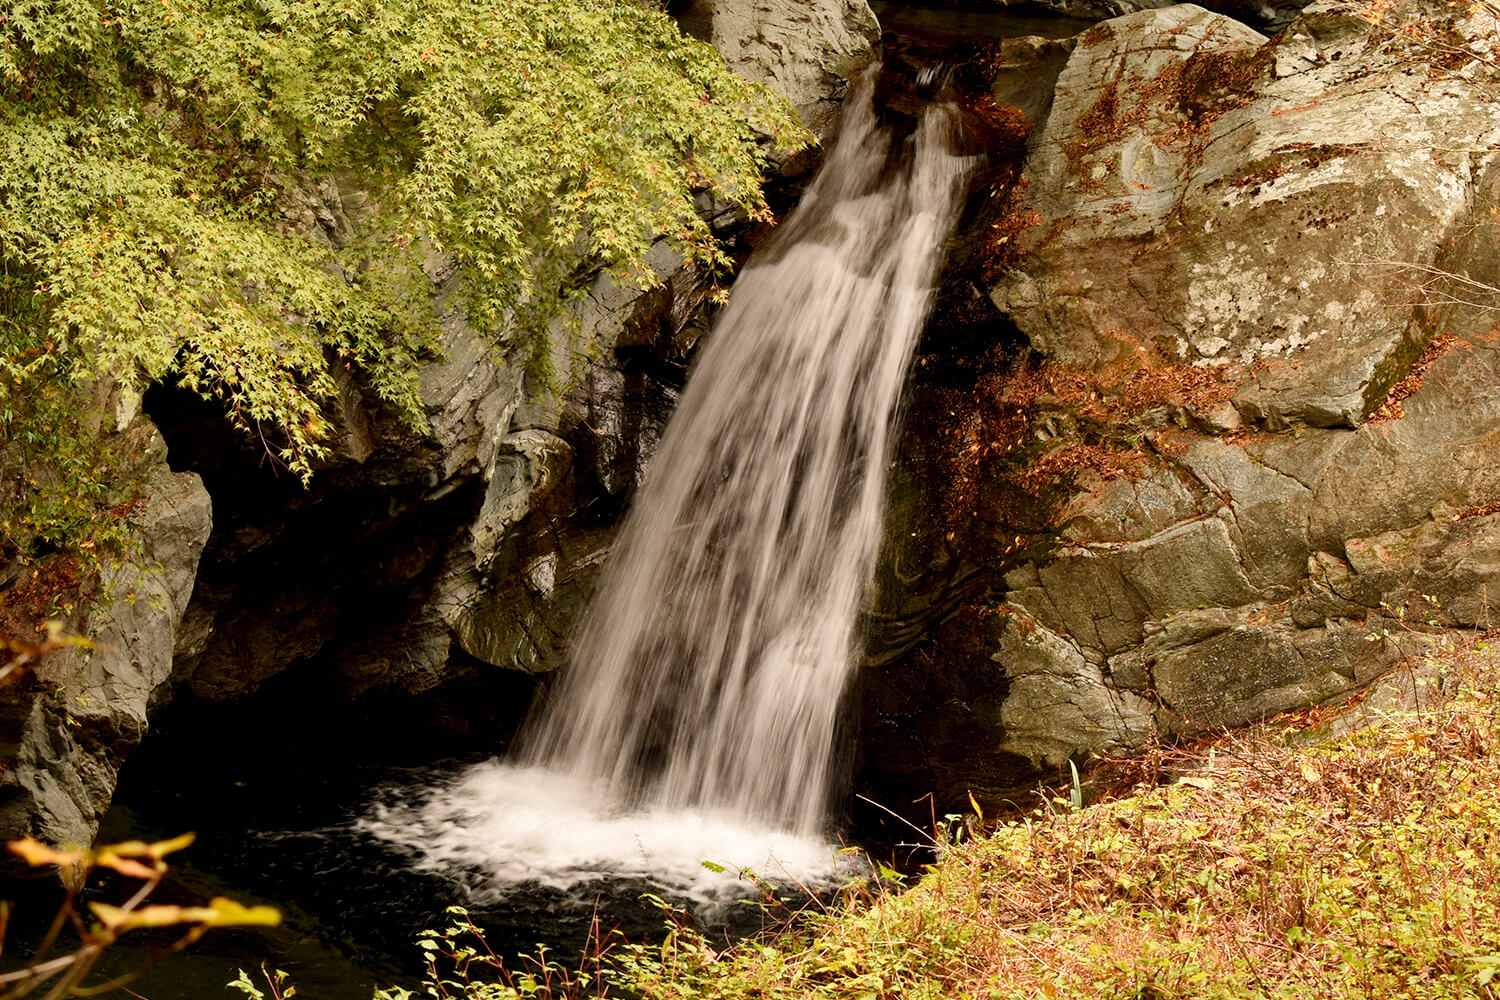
[[1240, 448], [414, 555]]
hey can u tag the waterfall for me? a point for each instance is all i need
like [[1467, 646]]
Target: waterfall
[[705, 685], [710, 667]]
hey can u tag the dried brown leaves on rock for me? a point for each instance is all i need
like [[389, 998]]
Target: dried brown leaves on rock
[[1201, 89], [1039, 424], [1392, 409]]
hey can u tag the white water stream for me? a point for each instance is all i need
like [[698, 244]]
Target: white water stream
[[697, 719]]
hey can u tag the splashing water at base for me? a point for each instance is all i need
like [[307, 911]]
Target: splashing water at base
[[697, 719], [516, 825]]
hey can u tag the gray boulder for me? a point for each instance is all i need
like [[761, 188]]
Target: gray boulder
[[1186, 162], [805, 50]]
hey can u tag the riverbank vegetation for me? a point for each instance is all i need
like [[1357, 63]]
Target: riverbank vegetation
[[252, 198], [1284, 861]]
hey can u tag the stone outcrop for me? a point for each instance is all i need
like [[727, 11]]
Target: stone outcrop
[[1242, 450], [69, 726], [804, 50], [477, 536], [1316, 149]]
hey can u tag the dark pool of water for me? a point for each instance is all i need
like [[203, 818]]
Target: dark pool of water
[[273, 790]]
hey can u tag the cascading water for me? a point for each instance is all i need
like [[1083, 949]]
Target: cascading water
[[696, 721]]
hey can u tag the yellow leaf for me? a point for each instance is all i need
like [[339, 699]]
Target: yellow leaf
[[220, 912], [37, 854], [147, 916], [162, 848], [125, 866], [127, 849], [977, 811], [109, 916], [227, 913], [1311, 774]]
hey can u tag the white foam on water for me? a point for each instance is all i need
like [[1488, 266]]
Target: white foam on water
[[519, 827]]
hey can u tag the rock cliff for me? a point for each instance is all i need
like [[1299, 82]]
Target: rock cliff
[[1230, 446], [66, 728]]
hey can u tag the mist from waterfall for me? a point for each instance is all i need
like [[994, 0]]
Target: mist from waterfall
[[697, 718]]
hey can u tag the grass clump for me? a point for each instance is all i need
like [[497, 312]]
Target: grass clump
[[1366, 865]]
